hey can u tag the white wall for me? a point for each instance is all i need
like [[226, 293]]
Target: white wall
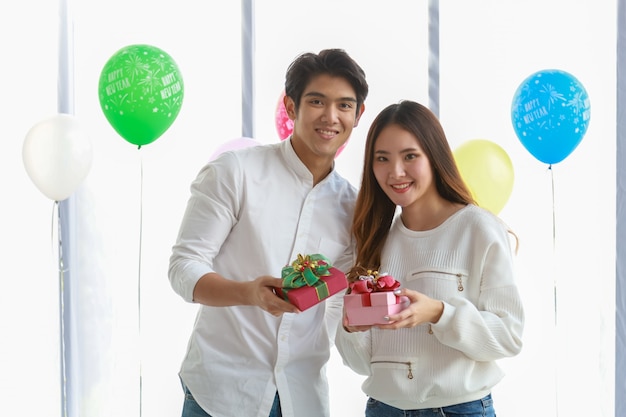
[[129, 208], [486, 57], [29, 285]]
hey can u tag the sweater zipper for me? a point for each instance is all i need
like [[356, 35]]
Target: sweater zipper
[[410, 373], [458, 275], [459, 285]]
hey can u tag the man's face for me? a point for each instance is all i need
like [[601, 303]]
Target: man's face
[[325, 118]]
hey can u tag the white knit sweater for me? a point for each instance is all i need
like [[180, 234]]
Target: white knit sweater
[[467, 263]]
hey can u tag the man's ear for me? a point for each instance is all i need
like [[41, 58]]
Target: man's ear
[[358, 116], [290, 107]]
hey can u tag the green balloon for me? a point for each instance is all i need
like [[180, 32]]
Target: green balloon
[[141, 93]]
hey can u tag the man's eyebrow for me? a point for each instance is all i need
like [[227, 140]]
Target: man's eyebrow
[[316, 94]]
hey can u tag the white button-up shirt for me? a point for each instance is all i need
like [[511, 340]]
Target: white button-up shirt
[[251, 212]]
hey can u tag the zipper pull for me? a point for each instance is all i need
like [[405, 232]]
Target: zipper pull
[[459, 278], [410, 375]]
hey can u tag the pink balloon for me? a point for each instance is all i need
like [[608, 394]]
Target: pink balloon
[[341, 148], [284, 125], [233, 144]]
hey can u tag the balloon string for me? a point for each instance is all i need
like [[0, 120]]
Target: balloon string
[[139, 283], [554, 275], [553, 238]]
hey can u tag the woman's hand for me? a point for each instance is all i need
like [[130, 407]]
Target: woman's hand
[[422, 309]]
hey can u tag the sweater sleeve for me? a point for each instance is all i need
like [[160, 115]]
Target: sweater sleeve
[[492, 327], [355, 349]]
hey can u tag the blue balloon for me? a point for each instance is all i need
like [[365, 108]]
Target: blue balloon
[[550, 114]]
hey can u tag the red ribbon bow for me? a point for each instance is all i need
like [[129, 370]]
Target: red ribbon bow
[[372, 282]]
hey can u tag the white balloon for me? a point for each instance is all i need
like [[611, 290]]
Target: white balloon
[[57, 155]]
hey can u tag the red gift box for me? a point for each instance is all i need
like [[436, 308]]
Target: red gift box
[[311, 279], [305, 297], [371, 299]]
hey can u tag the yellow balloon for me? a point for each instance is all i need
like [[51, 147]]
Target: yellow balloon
[[488, 172]]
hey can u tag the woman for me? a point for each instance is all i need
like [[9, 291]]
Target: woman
[[416, 220]]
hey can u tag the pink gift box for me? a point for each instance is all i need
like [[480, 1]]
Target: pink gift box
[[307, 296], [370, 308]]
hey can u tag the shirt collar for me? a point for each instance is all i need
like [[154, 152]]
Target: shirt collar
[[296, 164]]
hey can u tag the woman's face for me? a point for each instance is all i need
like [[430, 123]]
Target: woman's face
[[401, 167]]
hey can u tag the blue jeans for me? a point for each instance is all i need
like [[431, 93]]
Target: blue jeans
[[192, 409], [478, 408]]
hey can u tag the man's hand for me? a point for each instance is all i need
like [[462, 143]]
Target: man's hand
[[261, 292], [215, 290]]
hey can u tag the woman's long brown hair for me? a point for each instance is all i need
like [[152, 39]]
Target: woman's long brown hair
[[374, 210]]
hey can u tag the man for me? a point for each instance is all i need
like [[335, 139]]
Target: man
[[251, 212]]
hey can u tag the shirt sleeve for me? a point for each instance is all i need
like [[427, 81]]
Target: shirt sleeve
[[211, 212], [491, 328]]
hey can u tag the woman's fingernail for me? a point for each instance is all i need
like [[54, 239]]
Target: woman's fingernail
[[397, 292], [386, 318]]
